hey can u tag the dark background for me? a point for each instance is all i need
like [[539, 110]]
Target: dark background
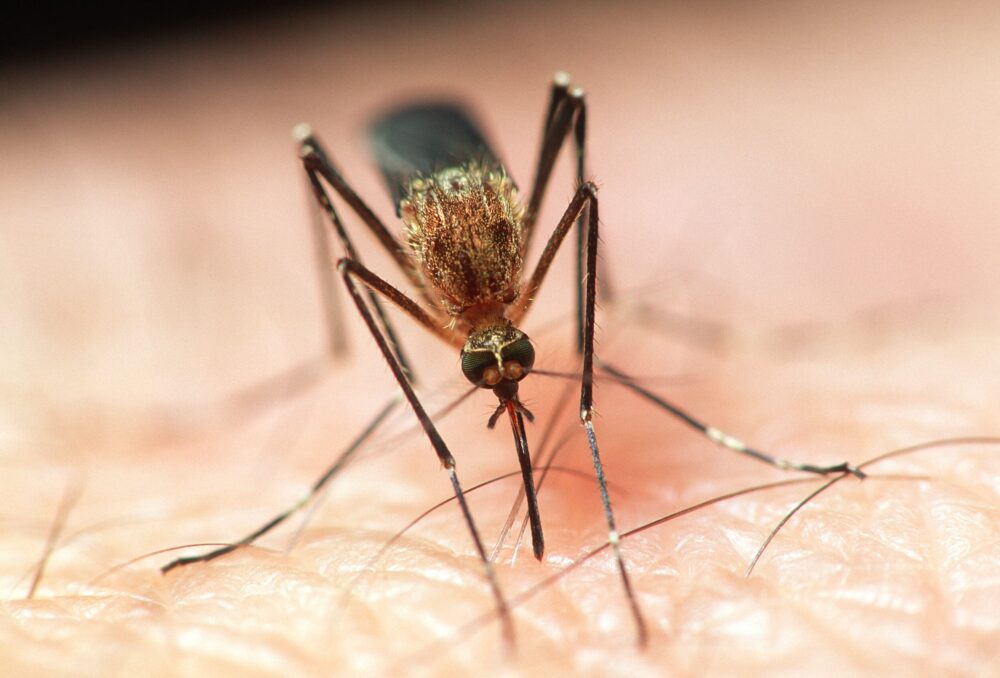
[[54, 30]]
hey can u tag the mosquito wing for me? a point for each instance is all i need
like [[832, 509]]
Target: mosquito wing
[[421, 139]]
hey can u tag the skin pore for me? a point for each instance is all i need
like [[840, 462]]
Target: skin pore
[[827, 213]]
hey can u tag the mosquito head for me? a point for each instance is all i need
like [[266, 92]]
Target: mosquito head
[[497, 356]]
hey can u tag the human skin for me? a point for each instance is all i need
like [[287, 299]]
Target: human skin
[[820, 194]]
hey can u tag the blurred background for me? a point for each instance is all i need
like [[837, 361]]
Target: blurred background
[[818, 181], [812, 163]]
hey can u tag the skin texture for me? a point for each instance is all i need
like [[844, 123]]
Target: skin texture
[[799, 219]]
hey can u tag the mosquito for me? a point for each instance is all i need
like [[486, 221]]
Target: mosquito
[[466, 234]]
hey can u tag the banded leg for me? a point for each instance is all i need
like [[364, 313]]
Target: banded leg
[[374, 284], [585, 200], [587, 407], [723, 439], [317, 164], [327, 476], [353, 272]]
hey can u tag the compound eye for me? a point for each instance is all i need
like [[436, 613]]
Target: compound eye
[[521, 353], [480, 367]]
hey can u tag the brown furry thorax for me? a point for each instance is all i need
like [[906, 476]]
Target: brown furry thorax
[[464, 226]]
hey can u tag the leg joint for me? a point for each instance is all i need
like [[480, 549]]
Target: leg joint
[[309, 156], [302, 132]]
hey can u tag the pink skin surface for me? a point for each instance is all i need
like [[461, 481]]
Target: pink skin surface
[[800, 222]]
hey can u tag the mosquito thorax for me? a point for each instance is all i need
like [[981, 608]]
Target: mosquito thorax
[[464, 226], [497, 356]]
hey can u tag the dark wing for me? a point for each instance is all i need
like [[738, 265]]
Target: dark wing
[[420, 139]]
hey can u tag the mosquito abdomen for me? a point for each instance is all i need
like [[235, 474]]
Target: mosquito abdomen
[[419, 140]]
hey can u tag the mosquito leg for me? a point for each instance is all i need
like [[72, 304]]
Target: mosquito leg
[[375, 284], [547, 152], [564, 106], [251, 399], [580, 147], [724, 439], [350, 270], [586, 197], [529, 290], [557, 92], [317, 164], [303, 376], [570, 110], [320, 483], [567, 109], [336, 338], [580, 138], [587, 409]]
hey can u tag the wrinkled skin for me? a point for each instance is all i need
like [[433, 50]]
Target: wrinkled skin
[[832, 212]]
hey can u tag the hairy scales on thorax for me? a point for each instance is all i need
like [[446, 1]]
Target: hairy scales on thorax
[[464, 225]]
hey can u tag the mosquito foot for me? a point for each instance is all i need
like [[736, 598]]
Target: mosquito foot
[[844, 467]]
